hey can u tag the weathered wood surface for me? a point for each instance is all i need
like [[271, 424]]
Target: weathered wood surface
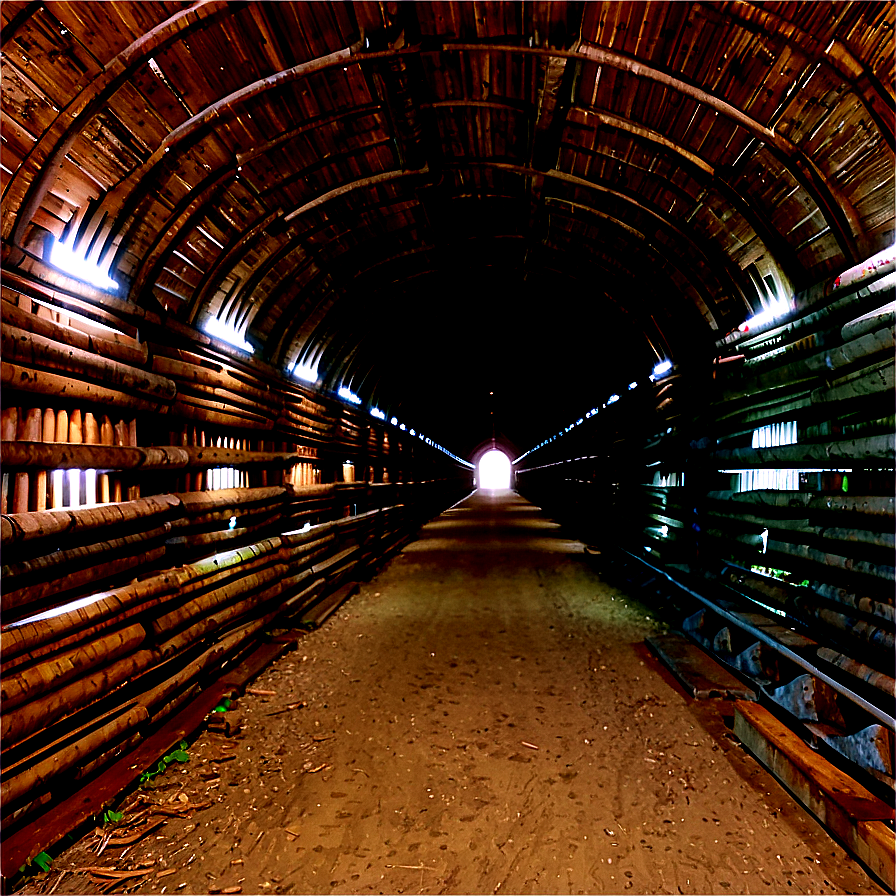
[[841, 804], [114, 346], [48, 579], [56, 456], [90, 652], [870, 449], [44, 354], [20, 782], [26, 527]]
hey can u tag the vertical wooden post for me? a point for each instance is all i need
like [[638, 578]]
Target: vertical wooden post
[[133, 490], [9, 423], [47, 434], [29, 431], [107, 437]]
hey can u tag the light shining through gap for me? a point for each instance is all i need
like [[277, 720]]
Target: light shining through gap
[[305, 372], [227, 333], [64, 257], [661, 368], [348, 395]]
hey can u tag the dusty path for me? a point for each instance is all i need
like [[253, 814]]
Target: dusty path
[[481, 718]]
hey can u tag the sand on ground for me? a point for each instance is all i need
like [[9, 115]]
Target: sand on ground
[[482, 717]]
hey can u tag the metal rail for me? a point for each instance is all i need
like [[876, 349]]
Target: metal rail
[[881, 715]]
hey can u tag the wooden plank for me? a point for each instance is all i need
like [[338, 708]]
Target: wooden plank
[[700, 675], [849, 811], [89, 800], [321, 611]]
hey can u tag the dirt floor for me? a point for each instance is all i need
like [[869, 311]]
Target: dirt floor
[[483, 717]]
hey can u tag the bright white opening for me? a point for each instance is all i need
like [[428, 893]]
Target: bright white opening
[[64, 257], [662, 368], [348, 395], [494, 470], [305, 372], [227, 333]]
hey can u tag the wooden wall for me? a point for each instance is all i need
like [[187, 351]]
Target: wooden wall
[[768, 473], [165, 502]]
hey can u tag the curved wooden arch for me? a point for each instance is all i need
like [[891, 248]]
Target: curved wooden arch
[[50, 150], [837, 212], [735, 278]]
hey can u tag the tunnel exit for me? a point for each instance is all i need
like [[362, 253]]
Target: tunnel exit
[[494, 470]]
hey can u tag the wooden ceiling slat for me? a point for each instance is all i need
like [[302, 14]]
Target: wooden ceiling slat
[[159, 100], [785, 159], [10, 10], [101, 28], [24, 102], [187, 75], [17, 141], [134, 114], [66, 66]]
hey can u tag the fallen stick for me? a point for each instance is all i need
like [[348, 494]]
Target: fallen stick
[[412, 867], [137, 835], [288, 708], [113, 873]]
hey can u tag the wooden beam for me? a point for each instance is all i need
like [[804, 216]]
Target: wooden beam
[[843, 806]]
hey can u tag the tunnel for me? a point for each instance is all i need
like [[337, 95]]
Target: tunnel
[[284, 284]]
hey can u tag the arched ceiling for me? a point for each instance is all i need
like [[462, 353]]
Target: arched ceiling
[[437, 201]]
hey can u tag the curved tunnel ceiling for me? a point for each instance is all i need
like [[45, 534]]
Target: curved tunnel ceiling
[[436, 201]]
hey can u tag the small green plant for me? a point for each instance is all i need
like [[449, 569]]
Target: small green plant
[[771, 571], [224, 705], [111, 818], [178, 755], [41, 861]]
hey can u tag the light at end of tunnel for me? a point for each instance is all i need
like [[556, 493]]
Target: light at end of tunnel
[[494, 470]]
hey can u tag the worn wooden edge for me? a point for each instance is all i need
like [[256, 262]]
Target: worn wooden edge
[[60, 819], [319, 612], [844, 807], [698, 673]]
